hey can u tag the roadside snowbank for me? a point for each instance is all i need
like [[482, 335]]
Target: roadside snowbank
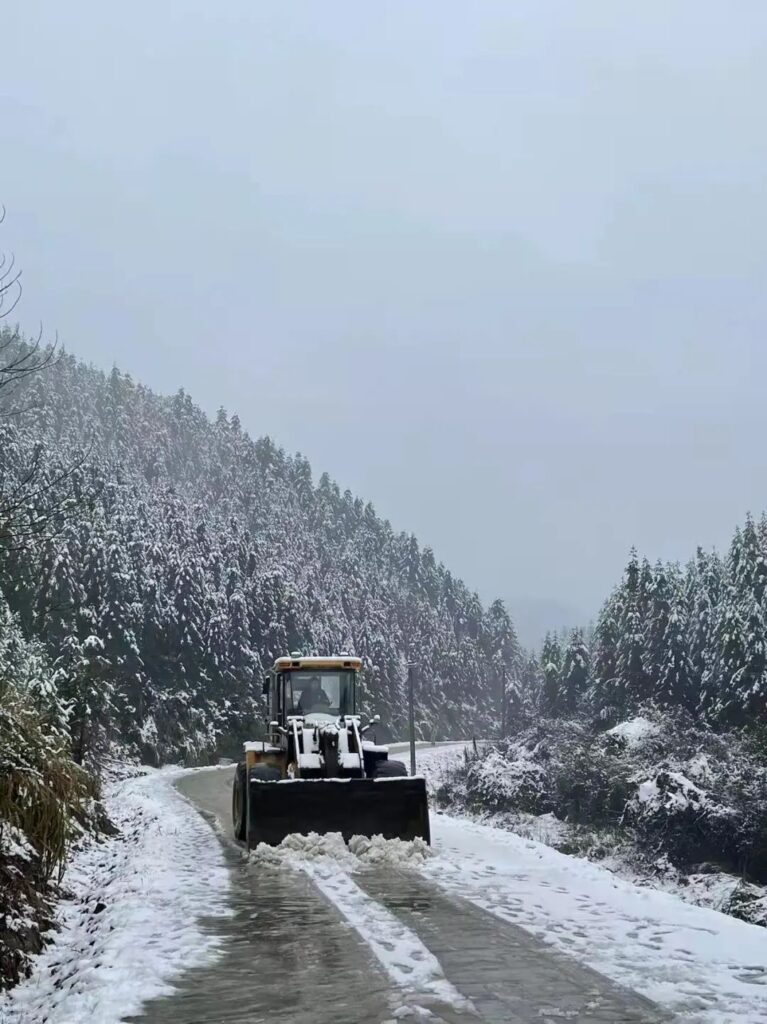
[[707, 967], [677, 818], [132, 922]]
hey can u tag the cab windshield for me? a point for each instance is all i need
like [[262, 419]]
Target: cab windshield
[[320, 694]]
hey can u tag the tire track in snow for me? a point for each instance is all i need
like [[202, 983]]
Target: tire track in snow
[[304, 889], [413, 968]]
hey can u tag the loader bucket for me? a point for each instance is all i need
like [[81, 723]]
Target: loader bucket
[[393, 808]]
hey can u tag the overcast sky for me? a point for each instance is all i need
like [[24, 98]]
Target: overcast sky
[[497, 266]]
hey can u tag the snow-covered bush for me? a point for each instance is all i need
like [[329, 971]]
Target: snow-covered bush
[[747, 902], [496, 782], [673, 790], [552, 767], [634, 734], [674, 816]]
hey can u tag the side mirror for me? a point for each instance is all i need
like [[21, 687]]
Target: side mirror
[[265, 686]]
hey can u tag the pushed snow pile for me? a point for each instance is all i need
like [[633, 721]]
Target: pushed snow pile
[[294, 848], [361, 851], [390, 852], [633, 733]]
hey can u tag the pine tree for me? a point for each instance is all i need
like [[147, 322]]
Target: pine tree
[[674, 687], [633, 681], [551, 667], [81, 676], [722, 692], [749, 684], [605, 696], [575, 677], [658, 612], [701, 623], [503, 653], [749, 567], [530, 687]]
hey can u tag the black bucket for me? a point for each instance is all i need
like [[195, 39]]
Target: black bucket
[[393, 808]]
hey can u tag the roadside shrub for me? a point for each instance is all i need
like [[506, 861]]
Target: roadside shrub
[[42, 791], [675, 790], [674, 817], [46, 800], [497, 783]]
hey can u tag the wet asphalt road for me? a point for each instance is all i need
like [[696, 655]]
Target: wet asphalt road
[[289, 954]]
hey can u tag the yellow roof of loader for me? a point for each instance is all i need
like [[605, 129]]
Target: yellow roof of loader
[[338, 661]]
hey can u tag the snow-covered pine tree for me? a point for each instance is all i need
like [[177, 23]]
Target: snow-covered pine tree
[[658, 611], [83, 679], [674, 685], [503, 654], [605, 696], [634, 683], [575, 676], [748, 686], [722, 694], [701, 621], [551, 668], [531, 687]]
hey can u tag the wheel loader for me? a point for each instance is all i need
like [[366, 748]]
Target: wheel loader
[[315, 772]]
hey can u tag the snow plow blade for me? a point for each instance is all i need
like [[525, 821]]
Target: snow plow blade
[[392, 808]]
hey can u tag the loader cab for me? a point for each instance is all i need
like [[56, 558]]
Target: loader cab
[[319, 690]]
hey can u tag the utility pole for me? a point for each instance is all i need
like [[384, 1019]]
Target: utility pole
[[411, 713], [503, 701]]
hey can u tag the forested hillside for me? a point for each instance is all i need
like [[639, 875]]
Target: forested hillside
[[182, 556]]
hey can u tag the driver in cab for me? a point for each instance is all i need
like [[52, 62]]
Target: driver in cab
[[313, 697]]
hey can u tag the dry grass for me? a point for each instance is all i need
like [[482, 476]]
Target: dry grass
[[42, 791], [48, 798]]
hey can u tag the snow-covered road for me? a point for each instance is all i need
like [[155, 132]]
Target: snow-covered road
[[486, 926], [432, 954]]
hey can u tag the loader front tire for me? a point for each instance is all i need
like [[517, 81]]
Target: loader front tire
[[390, 770], [239, 804]]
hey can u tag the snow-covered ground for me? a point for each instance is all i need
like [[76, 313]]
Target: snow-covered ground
[[132, 922], [703, 965], [712, 889]]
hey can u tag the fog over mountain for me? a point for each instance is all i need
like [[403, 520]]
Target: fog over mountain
[[506, 260]]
